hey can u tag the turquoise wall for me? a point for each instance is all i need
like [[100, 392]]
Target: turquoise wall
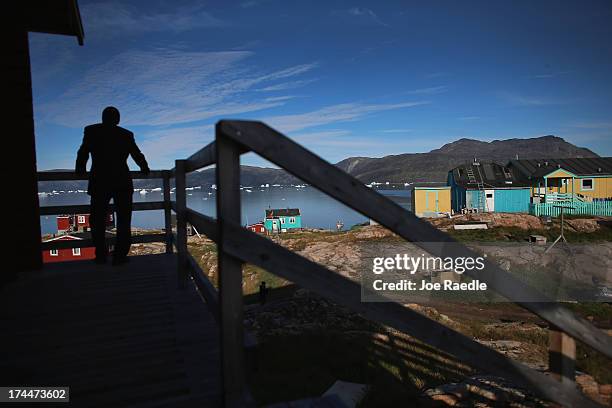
[[285, 224], [475, 199], [515, 200]]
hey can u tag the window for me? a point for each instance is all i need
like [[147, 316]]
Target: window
[[489, 195], [53, 252], [282, 220], [76, 251], [292, 220], [81, 219], [586, 184]]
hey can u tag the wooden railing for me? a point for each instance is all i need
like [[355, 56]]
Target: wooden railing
[[236, 245], [591, 208], [85, 209]]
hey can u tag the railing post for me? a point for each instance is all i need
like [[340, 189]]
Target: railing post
[[181, 222], [561, 355], [167, 212], [230, 274]]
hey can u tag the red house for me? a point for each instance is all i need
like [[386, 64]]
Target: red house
[[79, 223], [71, 228], [258, 227], [68, 254]]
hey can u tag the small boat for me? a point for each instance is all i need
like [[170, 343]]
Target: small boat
[[339, 225]]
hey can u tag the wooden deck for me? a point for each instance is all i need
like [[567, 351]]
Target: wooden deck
[[122, 336]]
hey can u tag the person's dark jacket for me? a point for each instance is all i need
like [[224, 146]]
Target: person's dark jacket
[[109, 146]]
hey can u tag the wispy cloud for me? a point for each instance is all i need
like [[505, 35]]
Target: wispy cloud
[[333, 114], [111, 19], [469, 118], [164, 87], [548, 75], [397, 130], [163, 146], [592, 125], [527, 100], [361, 15], [283, 86], [279, 98], [429, 91], [439, 74]]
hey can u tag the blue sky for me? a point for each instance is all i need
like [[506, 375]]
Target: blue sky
[[343, 78]]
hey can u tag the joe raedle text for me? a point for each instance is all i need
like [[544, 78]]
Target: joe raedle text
[[408, 273], [409, 285]]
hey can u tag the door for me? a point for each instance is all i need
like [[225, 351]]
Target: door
[[431, 201], [489, 200], [274, 226]]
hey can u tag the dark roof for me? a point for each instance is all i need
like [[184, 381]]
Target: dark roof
[[584, 166], [427, 184], [282, 212], [54, 17], [491, 175]]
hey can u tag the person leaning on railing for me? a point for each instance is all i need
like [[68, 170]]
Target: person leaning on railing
[[109, 146]]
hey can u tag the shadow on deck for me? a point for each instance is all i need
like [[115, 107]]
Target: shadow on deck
[[122, 336]]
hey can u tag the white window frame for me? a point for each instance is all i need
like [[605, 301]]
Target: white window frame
[[76, 251], [292, 220], [54, 252], [81, 219], [282, 221], [582, 188]]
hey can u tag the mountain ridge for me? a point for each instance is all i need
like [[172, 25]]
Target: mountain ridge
[[403, 167]]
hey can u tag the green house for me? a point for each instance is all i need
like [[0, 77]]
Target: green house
[[282, 220]]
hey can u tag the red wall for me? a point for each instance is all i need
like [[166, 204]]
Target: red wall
[[66, 255]]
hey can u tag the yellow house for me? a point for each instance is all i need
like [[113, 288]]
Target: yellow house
[[431, 201], [582, 179]]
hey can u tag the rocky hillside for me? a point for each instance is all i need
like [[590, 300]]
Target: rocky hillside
[[433, 166]]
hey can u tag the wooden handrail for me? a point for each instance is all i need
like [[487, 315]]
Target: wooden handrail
[[260, 251], [307, 166], [88, 242], [234, 242], [85, 208], [165, 205], [63, 175]]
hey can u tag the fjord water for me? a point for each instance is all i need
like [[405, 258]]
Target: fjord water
[[318, 210]]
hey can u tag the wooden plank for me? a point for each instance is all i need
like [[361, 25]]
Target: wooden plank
[[71, 175], [85, 243], [167, 212], [230, 275], [304, 164], [132, 343], [205, 224], [202, 158], [262, 252], [181, 223], [561, 356], [84, 208], [205, 287]]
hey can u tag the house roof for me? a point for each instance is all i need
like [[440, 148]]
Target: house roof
[[428, 184], [583, 166], [282, 212], [54, 17], [74, 236], [489, 174]]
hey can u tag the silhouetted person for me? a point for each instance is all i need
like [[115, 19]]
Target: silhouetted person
[[110, 146]]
